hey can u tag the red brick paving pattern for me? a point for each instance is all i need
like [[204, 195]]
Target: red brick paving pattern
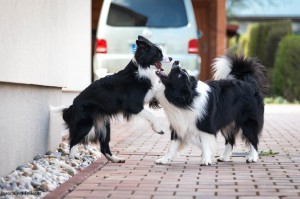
[[272, 177]]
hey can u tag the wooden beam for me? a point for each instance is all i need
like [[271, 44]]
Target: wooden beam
[[211, 21]]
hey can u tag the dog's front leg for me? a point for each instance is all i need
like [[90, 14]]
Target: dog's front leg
[[173, 148], [167, 158], [150, 118]]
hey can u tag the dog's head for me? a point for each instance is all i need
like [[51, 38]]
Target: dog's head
[[180, 87], [148, 54]]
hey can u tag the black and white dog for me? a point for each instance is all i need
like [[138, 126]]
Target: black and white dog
[[231, 103], [125, 92]]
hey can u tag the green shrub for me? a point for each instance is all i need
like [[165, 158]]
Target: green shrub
[[252, 45], [286, 73], [262, 35], [264, 39], [275, 35]]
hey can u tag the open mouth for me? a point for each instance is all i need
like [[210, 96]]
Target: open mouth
[[165, 59], [161, 74], [158, 65]]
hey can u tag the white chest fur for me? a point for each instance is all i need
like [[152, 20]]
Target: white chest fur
[[183, 120], [149, 73]]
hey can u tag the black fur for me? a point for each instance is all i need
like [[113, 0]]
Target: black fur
[[232, 104], [234, 101], [180, 89], [122, 92], [245, 67], [154, 104]]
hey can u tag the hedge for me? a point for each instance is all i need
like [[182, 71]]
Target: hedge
[[286, 73], [274, 37], [253, 41], [264, 40]]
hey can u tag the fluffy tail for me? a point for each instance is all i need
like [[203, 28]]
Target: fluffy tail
[[67, 114], [238, 66]]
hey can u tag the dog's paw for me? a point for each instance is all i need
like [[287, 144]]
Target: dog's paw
[[206, 162], [223, 159], [157, 129], [162, 161], [252, 158], [114, 159], [74, 155]]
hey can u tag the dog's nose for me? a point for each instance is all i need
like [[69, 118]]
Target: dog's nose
[[170, 58], [175, 64]]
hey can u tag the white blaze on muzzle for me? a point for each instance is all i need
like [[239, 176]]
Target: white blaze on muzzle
[[166, 59]]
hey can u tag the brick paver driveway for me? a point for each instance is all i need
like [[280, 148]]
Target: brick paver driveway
[[274, 176]]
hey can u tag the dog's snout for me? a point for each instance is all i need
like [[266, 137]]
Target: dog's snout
[[176, 64], [166, 59]]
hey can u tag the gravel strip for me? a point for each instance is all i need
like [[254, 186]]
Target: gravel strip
[[46, 172]]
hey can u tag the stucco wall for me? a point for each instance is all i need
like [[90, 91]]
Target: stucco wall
[[24, 123], [44, 48], [46, 42]]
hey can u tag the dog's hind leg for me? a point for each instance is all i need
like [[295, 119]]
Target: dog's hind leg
[[208, 145], [77, 134], [104, 140], [151, 119], [227, 152], [229, 134], [73, 151], [251, 130], [173, 148]]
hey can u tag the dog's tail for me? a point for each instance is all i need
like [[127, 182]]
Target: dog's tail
[[67, 115], [238, 66]]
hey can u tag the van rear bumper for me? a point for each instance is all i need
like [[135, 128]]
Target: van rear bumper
[[106, 64]]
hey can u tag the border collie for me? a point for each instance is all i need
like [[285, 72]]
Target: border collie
[[231, 103], [124, 93]]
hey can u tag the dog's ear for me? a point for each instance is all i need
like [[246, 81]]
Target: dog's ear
[[141, 38], [142, 44]]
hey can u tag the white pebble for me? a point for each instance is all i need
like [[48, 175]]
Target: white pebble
[[46, 173]]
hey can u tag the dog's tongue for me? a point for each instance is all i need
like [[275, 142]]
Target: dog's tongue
[[158, 65]]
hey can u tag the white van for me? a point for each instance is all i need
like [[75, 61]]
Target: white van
[[169, 23]]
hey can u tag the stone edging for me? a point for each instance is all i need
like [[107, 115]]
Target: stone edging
[[77, 179]]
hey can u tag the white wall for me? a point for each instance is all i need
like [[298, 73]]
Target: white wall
[[46, 42], [44, 48], [24, 123]]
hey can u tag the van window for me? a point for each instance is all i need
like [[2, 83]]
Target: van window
[[149, 13]]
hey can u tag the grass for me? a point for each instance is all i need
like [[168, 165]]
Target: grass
[[268, 153], [279, 100]]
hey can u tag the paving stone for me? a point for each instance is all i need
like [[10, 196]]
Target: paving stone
[[272, 177]]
